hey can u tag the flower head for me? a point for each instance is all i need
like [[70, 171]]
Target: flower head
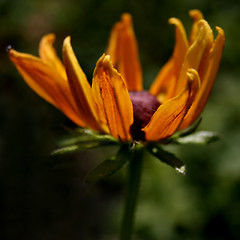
[[116, 103]]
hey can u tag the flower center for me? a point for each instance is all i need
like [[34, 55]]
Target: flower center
[[144, 106]]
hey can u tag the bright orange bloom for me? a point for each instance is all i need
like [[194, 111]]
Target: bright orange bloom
[[116, 102]]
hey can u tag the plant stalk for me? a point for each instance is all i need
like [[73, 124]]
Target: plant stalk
[[133, 183]]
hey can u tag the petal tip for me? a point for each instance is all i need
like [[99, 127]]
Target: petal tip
[[67, 40], [49, 37], [191, 72], [220, 31], [66, 44], [126, 19], [193, 76], [196, 14], [173, 20]]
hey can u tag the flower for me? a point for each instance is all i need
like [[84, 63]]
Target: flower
[[116, 103]]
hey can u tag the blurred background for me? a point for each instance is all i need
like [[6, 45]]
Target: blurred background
[[44, 197]]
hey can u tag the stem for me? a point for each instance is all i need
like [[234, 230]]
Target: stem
[[133, 183]]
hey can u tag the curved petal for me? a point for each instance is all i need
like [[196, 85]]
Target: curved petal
[[123, 50], [47, 53], [166, 120], [196, 53], [45, 82], [80, 88], [197, 16], [181, 45], [209, 75], [112, 98], [164, 85]]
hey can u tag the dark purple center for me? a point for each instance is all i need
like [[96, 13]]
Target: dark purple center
[[144, 106]]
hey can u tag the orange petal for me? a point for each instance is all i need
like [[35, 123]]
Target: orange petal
[[45, 82], [165, 82], [113, 44], [112, 98], [166, 120], [47, 53], [196, 15], [196, 53], [181, 45], [123, 50], [209, 75], [80, 88]]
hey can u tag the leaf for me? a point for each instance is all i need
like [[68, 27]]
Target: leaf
[[199, 138], [166, 157], [109, 166]]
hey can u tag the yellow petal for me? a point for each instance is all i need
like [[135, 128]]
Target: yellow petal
[[209, 75], [45, 82], [196, 53], [164, 85], [123, 50], [181, 45], [196, 15], [166, 120], [47, 53], [80, 88], [112, 97]]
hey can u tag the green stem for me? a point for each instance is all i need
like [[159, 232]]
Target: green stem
[[133, 183]]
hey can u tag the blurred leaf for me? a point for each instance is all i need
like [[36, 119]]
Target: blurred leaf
[[201, 138], [166, 157], [109, 166]]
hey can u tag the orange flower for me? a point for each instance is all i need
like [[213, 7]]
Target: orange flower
[[116, 102]]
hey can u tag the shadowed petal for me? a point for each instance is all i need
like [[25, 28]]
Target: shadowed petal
[[164, 85], [166, 120], [46, 82], [123, 50], [196, 53], [47, 53], [112, 98], [80, 87], [209, 75]]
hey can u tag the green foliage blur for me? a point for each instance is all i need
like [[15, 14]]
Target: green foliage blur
[[44, 197]]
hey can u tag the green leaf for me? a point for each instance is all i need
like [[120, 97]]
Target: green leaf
[[199, 138], [166, 157], [109, 166]]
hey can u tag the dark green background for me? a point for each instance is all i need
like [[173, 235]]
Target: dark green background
[[45, 198]]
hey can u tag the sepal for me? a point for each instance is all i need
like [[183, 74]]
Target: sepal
[[166, 157], [83, 139], [188, 130]]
